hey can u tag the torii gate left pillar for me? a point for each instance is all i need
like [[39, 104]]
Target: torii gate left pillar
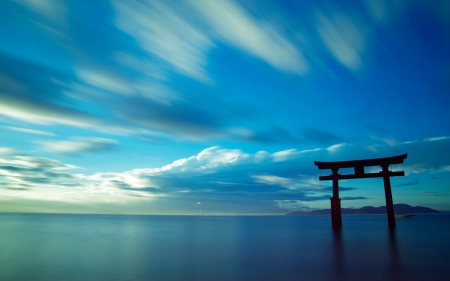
[[358, 166], [336, 216]]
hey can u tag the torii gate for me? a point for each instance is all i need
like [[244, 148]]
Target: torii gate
[[359, 165]]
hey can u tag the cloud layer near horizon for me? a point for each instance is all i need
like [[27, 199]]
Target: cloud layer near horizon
[[284, 179]]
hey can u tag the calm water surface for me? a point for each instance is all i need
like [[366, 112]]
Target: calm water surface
[[109, 247]]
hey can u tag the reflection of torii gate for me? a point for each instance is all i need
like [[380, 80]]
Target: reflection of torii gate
[[359, 165]]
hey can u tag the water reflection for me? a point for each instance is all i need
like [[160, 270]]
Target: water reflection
[[339, 258], [373, 254], [394, 257]]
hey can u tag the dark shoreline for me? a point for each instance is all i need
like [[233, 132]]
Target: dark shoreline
[[369, 210]]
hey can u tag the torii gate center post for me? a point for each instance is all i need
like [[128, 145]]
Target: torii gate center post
[[358, 166]]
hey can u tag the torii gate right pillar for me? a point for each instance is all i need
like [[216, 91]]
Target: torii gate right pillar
[[388, 195]]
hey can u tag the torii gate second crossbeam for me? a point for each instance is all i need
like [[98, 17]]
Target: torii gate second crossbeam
[[358, 166]]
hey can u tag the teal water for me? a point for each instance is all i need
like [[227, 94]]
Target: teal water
[[115, 247]]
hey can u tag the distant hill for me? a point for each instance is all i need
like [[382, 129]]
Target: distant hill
[[398, 209]]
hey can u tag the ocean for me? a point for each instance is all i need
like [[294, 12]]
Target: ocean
[[130, 247]]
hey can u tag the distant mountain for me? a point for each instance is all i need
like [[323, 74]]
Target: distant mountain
[[398, 209]]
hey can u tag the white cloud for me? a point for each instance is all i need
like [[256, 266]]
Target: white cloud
[[34, 111], [165, 32], [77, 145], [130, 179], [49, 181], [344, 38], [6, 151], [261, 39], [273, 180], [29, 131], [284, 155], [245, 170], [336, 147], [52, 9], [15, 159], [207, 161], [288, 154], [179, 37], [293, 205], [103, 80], [25, 172], [437, 139], [214, 156]]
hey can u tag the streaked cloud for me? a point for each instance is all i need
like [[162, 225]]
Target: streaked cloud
[[414, 182], [294, 205], [344, 37], [237, 27], [320, 136], [165, 31], [54, 10], [77, 145], [26, 172], [335, 147], [103, 80], [273, 180], [41, 112], [349, 198], [435, 194], [44, 181], [29, 131], [177, 34]]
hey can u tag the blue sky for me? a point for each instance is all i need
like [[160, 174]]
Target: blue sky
[[177, 107]]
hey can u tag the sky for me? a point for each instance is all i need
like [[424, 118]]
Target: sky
[[220, 107]]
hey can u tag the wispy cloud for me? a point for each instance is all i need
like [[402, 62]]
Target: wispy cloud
[[26, 172], [293, 205], [409, 183], [166, 32], [348, 198], [29, 131], [274, 180], [344, 37], [42, 112], [77, 145], [237, 27], [431, 193], [99, 78], [53, 10], [38, 180], [177, 34]]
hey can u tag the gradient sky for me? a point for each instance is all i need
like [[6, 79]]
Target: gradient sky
[[220, 106]]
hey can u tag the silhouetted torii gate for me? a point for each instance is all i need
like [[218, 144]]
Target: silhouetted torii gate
[[359, 165]]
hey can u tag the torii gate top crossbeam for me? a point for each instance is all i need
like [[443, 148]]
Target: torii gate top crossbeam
[[359, 165], [362, 163]]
